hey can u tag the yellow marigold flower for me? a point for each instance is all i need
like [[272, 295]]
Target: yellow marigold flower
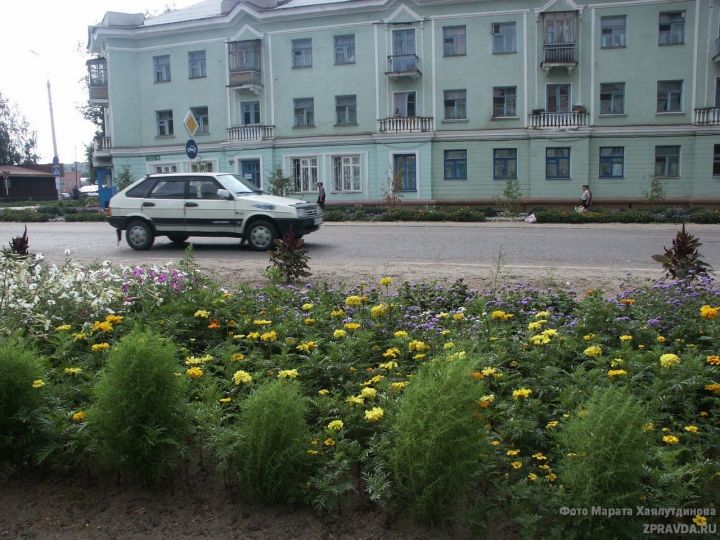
[[593, 350], [670, 439], [500, 315], [713, 387], [386, 281], [625, 338], [486, 401], [700, 521], [337, 313], [313, 452], [532, 477], [323, 392], [615, 362], [544, 467], [368, 392], [708, 312], [242, 377], [666, 429], [103, 326], [194, 372], [237, 357], [329, 442], [374, 414], [306, 307], [495, 442], [201, 314], [388, 365], [649, 427], [552, 424], [336, 425], [713, 360], [539, 456], [489, 372], [38, 383], [269, 336], [253, 335], [308, 321], [354, 300], [516, 464], [63, 328], [73, 370], [512, 453], [616, 373], [337, 334], [542, 315], [458, 316], [225, 400], [552, 477], [448, 345], [307, 346], [456, 356], [355, 400], [100, 347], [704, 413], [660, 339], [522, 393], [536, 325], [691, 429], [669, 360], [262, 322], [539, 339], [379, 311], [374, 380], [419, 356], [628, 301], [288, 374], [589, 337], [418, 346], [400, 334], [397, 386], [352, 326], [79, 416]]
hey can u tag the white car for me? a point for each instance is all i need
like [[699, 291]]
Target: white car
[[206, 204]]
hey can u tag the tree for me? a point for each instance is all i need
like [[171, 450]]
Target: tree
[[17, 142]]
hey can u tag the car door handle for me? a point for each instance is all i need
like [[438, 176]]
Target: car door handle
[[191, 204], [148, 204]]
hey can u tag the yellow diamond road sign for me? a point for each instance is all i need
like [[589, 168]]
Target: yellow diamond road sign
[[191, 124]]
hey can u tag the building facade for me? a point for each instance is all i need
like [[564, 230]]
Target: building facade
[[441, 101]]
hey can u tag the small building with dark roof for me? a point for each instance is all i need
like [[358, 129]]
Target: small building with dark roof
[[22, 184]]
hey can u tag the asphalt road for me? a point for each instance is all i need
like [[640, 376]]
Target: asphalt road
[[427, 249]]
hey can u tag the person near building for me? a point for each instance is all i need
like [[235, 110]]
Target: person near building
[[586, 197], [321, 195]]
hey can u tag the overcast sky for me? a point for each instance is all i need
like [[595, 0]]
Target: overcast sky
[[55, 30]]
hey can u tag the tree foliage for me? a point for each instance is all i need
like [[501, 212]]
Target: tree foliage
[[17, 141]]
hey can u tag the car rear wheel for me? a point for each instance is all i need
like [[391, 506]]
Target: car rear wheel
[[139, 235], [261, 235], [178, 238]]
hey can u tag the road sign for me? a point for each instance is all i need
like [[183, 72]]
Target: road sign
[[56, 170], [191, 149], [56, 160], [191, 123]]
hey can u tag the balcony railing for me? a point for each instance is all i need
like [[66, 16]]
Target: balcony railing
[[560, 53], [559, 119], [245, 77], [102, 144], [251, 133], [406, 124], [400, 65], [99, 92], [707, 116]]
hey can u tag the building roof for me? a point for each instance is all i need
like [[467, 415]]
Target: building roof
[[22, 171]]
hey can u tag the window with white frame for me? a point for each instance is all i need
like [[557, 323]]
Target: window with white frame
[[612, 162], [453, 40], [250, 112], [504, 101], [455, 104], [346, 173], [305, 174], [667, 161], [165, 168], [302, 52], [669, 96], [345, 49], [455, 165], [201, 166], [504, 38], [671, 30], [197, 66], [612, 32], [164, 122], [203, 119], [304, 112], [346, 110], [612, 98], [161, 68]]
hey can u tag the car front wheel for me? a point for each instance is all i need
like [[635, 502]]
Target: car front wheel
[[261, 235], [139, 235]]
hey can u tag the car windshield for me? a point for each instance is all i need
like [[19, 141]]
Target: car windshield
[[236, 185]]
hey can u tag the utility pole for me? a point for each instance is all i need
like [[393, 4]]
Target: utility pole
[[56, 160]]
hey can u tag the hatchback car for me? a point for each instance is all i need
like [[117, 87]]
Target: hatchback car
[[206, 204]]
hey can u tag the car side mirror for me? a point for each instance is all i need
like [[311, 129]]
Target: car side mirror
[[224, 194]]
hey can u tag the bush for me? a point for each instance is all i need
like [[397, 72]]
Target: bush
[[436, 441], [273, 436], [20, 400], [85, 216], [140, 420], [23, 216]]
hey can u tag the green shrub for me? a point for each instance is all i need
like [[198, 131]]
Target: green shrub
[[23, 216], [85, 216], [20, 401], [437, 443], [273, 437], [140, 420]]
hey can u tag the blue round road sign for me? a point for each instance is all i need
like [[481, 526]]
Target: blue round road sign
[[191, 149]]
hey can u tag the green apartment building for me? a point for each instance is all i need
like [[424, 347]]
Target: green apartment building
[[449, 99]]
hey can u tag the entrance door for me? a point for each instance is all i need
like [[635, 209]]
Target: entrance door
[[250, 171], [404, 103], [404, 169]]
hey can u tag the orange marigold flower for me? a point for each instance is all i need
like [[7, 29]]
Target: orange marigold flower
[[214, 324]]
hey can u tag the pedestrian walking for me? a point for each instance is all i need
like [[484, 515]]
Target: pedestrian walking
[[586, 197], [321, 195]]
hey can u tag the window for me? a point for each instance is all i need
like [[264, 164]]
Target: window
[[302, 53], [164, 120], [612, 162], [346, 110], [196, 64], [250, 112], [455, 105], [612, 32], [163, 169], [405, 170], [503, 38], [557, 163], [504, 163], [304, 112], [205, 166], [305, 174], [346, 173], [558, 98], [455, 164], [404, 103], [98, 72], [612, 98], [203, 120], [559, 28], [716, 160], [669, 96], [504, 99], [667, 161], [168, 188], [453, 40], [345, 49], [403, 58], [161, 66], [672, 28], [717, 92]]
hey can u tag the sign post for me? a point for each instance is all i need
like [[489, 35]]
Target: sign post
[[191, 125], [57, 173]]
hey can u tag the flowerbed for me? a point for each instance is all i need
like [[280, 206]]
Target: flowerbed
[[565, 414]]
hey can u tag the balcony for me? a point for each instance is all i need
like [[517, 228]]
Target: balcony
[[245, 79], [244, 65], [574, 119], [707, 116], [97, 81], [406, 124], [251, 133], [559, 55], [403, 65], [102, 144]]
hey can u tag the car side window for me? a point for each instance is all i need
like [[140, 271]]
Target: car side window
[[204, 188], [141, 190], [168, 188]]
